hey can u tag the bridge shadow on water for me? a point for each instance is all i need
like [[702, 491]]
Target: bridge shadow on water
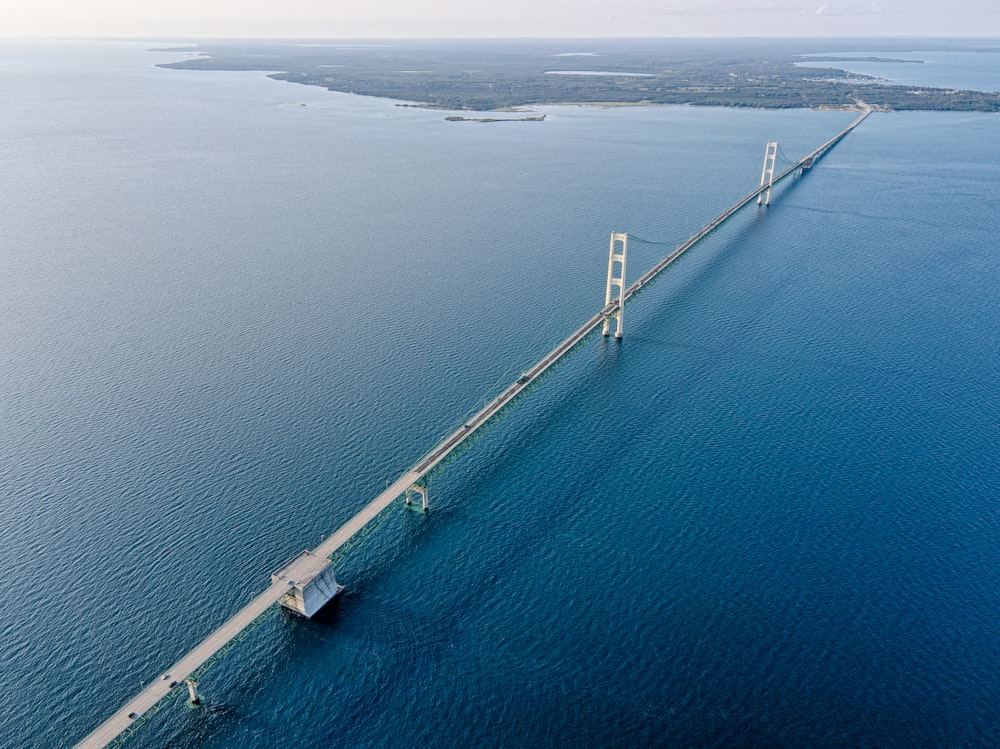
[[694, 272]]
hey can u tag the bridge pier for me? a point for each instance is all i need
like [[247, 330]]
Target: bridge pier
[[312, 583], [416, 489], [615, 280], [767, 175], [193, 697]]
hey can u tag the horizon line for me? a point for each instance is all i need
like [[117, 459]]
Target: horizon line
[[776, 37]]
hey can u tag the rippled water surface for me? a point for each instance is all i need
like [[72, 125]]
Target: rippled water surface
[[231, 309]]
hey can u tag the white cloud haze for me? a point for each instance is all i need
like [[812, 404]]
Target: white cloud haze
[[499, 18]]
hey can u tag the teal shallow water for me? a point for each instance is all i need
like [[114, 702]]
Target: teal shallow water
[[765, 518]]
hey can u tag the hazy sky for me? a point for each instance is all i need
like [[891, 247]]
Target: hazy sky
[[499, 18]]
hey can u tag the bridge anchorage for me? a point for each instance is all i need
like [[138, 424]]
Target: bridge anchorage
[[307, 582], [311, 580]]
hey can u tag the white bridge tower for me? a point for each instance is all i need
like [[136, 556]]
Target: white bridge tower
[[767, 175], [615, 280]]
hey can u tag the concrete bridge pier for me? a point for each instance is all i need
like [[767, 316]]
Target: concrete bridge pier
[[416, 489], [312, 583]]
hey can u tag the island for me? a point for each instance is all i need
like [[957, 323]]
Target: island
[[491, 75], [460, 118]]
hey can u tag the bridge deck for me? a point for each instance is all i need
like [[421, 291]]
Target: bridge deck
[[153, 693]]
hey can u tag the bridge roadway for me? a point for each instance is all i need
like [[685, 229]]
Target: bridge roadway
[[159, 689]]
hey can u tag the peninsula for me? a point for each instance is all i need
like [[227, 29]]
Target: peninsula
[[487, 75]]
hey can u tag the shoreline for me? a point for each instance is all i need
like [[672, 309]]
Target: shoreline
[[516, 77]]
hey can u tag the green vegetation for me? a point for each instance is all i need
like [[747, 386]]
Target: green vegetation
[[491, 75]]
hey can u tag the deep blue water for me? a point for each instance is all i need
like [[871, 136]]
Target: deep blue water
[[766, 518]]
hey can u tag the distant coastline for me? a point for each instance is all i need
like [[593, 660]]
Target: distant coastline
[[852, 58], [489, 75]]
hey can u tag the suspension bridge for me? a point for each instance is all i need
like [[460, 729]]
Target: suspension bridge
[[307, 581]]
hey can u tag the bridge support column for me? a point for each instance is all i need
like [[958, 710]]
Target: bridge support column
[[193, 697], [767, 174], [615, 279], [416, 489]]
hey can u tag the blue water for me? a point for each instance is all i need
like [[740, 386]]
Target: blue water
[[970, 65], [233, 308]]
